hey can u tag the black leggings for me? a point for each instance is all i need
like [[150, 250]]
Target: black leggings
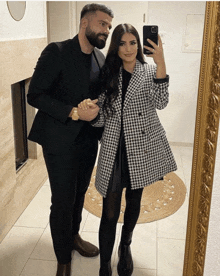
[[110, 215]]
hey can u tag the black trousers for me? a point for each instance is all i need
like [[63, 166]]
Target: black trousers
[[69, 176]]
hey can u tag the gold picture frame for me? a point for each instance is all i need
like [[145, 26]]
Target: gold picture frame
[[205, 142]]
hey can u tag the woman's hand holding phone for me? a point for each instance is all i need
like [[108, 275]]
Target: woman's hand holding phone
[[158, 57], [157, 51]]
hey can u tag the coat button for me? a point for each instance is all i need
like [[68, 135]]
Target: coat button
[[139, 114], [143, 132]]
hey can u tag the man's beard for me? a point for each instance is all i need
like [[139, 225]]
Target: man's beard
[[94, 39]]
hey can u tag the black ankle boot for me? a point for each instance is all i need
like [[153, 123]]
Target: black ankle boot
[[125, 264], [105, 269]]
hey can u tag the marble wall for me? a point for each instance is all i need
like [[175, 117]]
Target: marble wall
[[18, 59], [21, 43]]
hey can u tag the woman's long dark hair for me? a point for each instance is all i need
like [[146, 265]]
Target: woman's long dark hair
[[110, 71]]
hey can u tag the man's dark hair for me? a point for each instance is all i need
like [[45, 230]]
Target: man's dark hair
[[93, 8]]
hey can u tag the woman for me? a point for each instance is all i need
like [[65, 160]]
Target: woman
[[134, 150]]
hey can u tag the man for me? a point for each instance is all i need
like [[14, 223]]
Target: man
[[64, 76]]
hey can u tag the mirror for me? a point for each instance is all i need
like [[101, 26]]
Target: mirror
[[16, 9], [205, 142], [200, 126]]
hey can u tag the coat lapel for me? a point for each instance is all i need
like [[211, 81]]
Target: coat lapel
[[136, 80], [117, 103]]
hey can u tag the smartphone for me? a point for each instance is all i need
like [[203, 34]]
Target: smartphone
[[150, 32]]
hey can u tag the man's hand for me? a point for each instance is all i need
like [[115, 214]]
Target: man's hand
[[88, 103], [88, 110]]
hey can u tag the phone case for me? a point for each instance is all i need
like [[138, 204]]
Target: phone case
[[151, 32]]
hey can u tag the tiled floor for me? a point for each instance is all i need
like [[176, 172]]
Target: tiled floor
[[157, 247]]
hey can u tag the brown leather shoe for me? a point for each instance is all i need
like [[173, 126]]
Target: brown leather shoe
[[63, 269], [86, 249]]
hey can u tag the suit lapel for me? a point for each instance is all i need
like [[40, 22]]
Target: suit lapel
[[77, 72], [77, 57], [134, 83]]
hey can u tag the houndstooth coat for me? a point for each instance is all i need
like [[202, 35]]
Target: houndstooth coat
[[148, 152]]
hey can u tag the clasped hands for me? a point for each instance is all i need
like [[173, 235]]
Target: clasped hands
[[88, 110]]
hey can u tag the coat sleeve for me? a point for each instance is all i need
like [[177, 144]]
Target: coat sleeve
[[99, 121], [46, 72], [159, 91]]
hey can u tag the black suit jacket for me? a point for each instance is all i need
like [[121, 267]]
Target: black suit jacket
[[60, 81]]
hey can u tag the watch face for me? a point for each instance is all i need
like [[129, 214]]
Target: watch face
[[75, 115]]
